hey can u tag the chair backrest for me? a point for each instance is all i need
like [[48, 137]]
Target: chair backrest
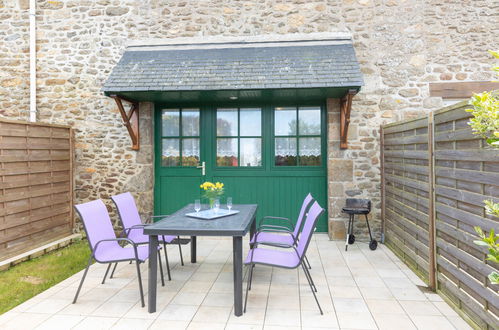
[[313, 215], [306, 203], [96, 222], [128, 213]]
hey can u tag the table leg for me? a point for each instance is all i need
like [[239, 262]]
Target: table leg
[[237, 261], [193, 249], [153, 270], [252, 231]]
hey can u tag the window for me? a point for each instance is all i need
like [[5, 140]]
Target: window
[[239, 137], [180, 137], [297, 132]]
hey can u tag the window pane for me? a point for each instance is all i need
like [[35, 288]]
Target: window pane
[[310, 151], [190, 122], [285, 121], [309, 121], [170, 120], [170, 155], [285, 151], [190, 152], [251, 152], [226, 122], [226, 152], [251, 122]]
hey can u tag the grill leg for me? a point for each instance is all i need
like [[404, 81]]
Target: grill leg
[[368, 228], [349, 231]]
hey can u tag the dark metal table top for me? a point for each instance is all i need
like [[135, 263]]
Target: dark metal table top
[[180, 224]]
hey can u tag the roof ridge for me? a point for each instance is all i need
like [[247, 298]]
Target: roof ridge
[[243, 40]]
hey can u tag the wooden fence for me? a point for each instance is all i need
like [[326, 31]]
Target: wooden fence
[[435, 176], [36, 184]]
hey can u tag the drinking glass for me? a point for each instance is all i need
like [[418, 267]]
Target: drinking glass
[[217, 205], [229, 203], [197, 205]]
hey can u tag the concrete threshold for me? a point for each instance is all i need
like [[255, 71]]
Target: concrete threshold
[[39, 251]]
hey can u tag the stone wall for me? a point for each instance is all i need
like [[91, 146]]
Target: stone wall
[[402, 45]]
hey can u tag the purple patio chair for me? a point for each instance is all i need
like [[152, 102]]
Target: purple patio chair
[[283, 235], [286, 258], [133, 226], [104, 245]]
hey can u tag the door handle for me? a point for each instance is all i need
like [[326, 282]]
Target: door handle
[[203, 168]]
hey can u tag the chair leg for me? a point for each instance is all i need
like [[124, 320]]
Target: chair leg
[[161, 269], [180, 251], [114, 268], [83, 279], [309, 278], [167, 263], [107, 271], [308, 263], [250, 278], [248, 284], [140, 282], [311, 288]]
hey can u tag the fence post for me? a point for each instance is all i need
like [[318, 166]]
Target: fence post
[[431, 205], [382, 174]]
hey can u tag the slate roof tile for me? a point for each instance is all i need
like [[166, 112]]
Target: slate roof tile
[[299, 66]]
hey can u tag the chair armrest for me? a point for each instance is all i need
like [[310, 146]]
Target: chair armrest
[[279, 245], [126, 231], [120, 239], [287, 221], [271, 227]]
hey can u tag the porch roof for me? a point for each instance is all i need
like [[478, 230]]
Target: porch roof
[[316, 61]]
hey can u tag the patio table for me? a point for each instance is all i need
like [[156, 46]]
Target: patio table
[[236, 225]]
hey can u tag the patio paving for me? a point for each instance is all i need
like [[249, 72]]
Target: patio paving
[[358, 289]]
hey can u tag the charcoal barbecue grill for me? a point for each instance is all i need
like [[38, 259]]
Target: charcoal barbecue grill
[[358, 206]]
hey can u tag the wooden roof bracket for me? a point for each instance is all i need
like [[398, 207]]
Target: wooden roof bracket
[[130, 119], [345, 109]]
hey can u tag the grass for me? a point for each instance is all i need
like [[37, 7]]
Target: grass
[[29, 278]]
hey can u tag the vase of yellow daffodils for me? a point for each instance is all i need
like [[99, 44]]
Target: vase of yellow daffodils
[[212, 191]]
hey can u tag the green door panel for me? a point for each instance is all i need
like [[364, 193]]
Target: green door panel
[[176, 192], [276, 196]]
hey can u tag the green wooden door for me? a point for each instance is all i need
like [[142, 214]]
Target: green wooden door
[[269, 155]]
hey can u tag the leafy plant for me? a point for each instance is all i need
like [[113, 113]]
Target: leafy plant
[[492, 208], [492, 243], [485, 122]]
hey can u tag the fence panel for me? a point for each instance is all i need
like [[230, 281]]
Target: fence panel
[[36, 185], [466, 174], [435, 177], [406, 190]]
